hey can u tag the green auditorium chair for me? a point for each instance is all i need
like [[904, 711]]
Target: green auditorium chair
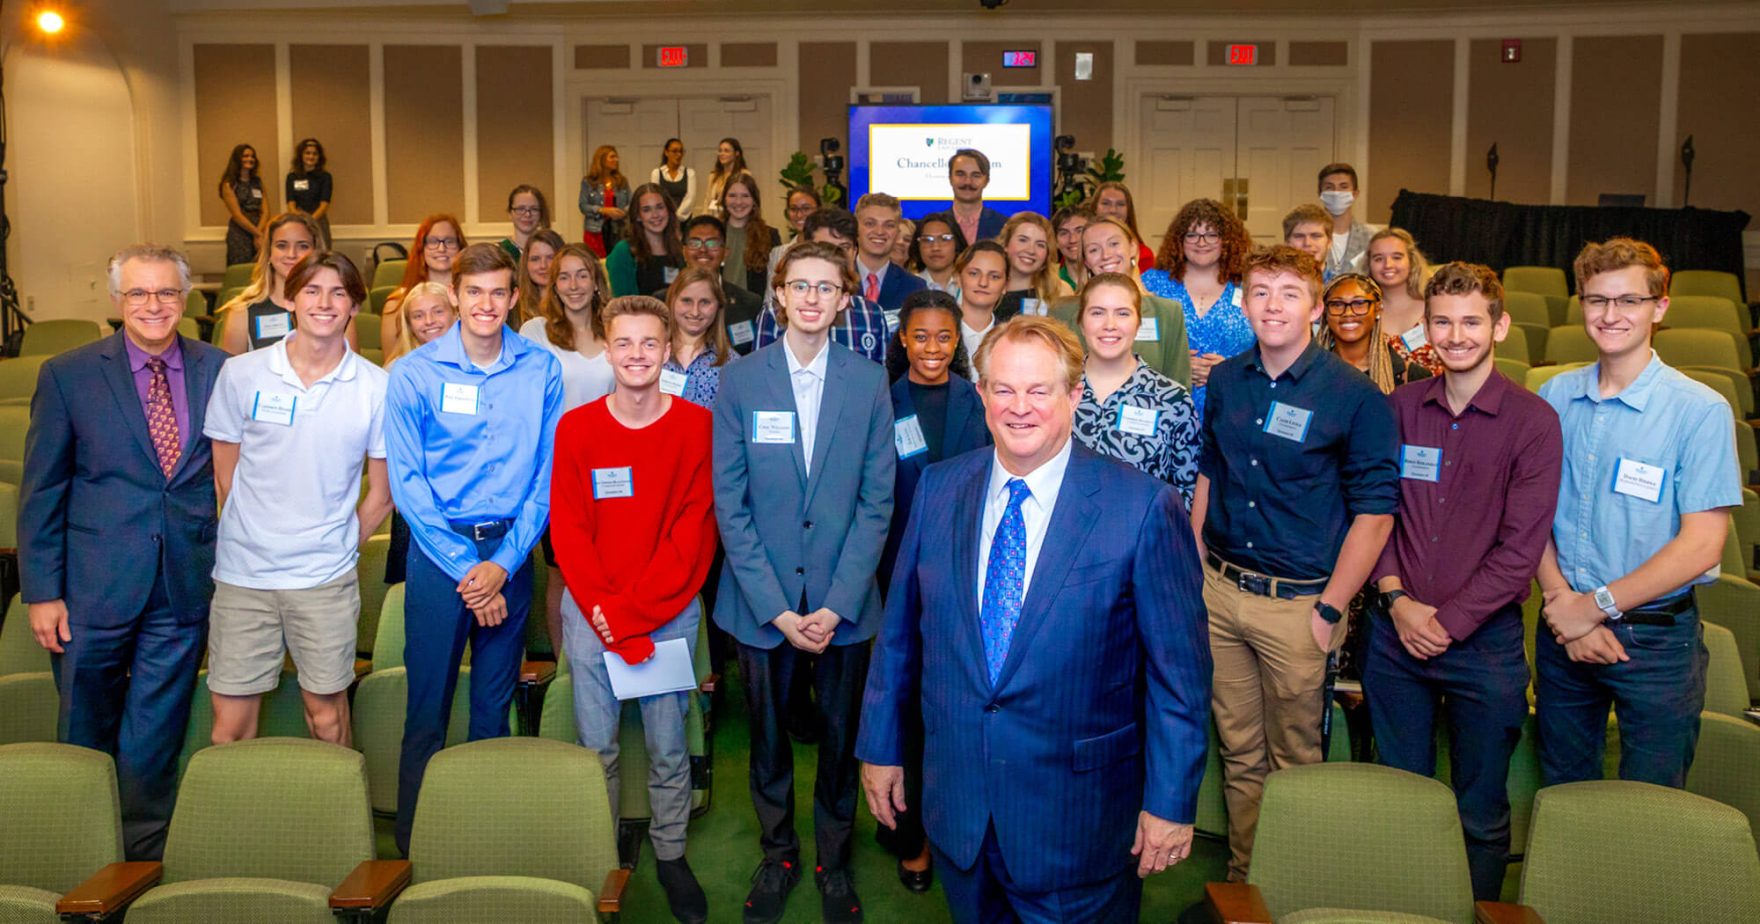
[[373, 355], [263, 831], [57, 335], [1570, 344], [18, 379], [368, 329], [227, 294], [1513, 369], [30, 707], [1573, 312], [1635, 853], [376, 297], [1515, 345], [237, 276], [1726, 765], [1212, 817], [389, 274], [1349, 837], [195, 303], [1705, 282], [187, 327], [282, 715], [1540, 280], [370, 572], [1709, 350], [1741, 405], [510, 829], [1726, 686], [60, 822], [15, 422], [1528, 311], [1707, 312], [1733, 602]]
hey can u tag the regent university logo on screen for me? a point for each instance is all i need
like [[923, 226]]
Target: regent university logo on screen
[[910, 161]]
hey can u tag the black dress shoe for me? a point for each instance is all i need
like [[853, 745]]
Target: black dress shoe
[[914, 880], [838, 902], [770, 887], [684, 895]]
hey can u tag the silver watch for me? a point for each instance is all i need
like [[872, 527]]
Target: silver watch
[[1604, 600]]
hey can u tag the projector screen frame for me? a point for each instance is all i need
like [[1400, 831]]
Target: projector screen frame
[[1041, 158]]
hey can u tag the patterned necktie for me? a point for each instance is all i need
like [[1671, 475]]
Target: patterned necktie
[[872, 291], [162, 417], [1003, 579]]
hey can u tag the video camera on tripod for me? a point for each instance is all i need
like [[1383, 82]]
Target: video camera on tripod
[[1071, 170]]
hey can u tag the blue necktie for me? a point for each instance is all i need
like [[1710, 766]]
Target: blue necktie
[[1004, 577]]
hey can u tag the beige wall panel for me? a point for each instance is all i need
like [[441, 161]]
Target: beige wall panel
[[1410, 118], [235, 104], [1616, 97], [516, 125], [1086, 105], [1165, 54], [1720, 83], [332, 102], [748, 54], [601, 57], [424, 131], [1319, 54], [827, 71], [910, 64], [1511, 104]]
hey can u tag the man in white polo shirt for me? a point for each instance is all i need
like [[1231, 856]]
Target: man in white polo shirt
[[292, 424]]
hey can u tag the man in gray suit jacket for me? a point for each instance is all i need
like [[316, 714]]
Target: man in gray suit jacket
[[803, 464]]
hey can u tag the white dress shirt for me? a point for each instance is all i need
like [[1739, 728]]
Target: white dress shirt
[[863, 272], [1043, 484], [809, 386], [972, 340]]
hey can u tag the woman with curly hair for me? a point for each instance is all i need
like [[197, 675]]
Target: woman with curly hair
[[1199, 267]]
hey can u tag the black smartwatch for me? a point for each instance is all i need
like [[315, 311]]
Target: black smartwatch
[[1388, 598], [1328, 612]]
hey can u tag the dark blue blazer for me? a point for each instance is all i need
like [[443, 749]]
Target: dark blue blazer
[[894, 286], [965, 432], [97, 517], [1101, 706]]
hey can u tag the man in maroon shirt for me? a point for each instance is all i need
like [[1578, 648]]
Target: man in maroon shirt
[[1480, 461]]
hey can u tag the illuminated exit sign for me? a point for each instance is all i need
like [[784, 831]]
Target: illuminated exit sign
[[673, 56], [1243, 55]]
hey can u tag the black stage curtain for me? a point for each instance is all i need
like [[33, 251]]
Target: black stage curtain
[[1502, 234]]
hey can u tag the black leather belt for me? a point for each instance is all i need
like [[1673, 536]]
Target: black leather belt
[[1264, 585], [482, 532], [1661, 613]]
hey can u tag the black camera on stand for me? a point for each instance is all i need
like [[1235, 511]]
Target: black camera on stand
[[1071, 169], [834, 193]]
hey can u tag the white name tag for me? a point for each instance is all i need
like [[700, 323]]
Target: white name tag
[[672, 382], [773, 427], [613, 482], [741, 333], [274, 407], [256, 194], [1138, 420], [1236, 299], [458, 399], [1414, 338], [1420, 463], [669, 273], [1288, 421], [1150, 329], [891, 319], [907, 435], [1033, 306], [274, 325], [301, 185], [1636, 479]]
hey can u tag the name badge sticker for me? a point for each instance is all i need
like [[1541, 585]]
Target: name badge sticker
[[1420, 463], [1150, 329], [1033, 306], [669, 273], [774, 427], [1288, 421], [301, 185], [1638, 479], [1414, 338], [907, 436], [274, 407], [458, 399], [1236, 300], [613, 482], [1140, 421], [891, 319], [741, 333], [274, 325], [256, 194], [672, 382]]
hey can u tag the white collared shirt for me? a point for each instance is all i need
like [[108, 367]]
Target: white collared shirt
[[808, 382], [972, 340], [289, 522], [863, 272], [1043, 485]]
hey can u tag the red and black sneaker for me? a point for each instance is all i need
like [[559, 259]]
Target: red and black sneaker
[[771, 883]]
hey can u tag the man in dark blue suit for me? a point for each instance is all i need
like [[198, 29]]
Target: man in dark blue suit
[[1046, 609], [882, 282], [968, 173], [116, 534]]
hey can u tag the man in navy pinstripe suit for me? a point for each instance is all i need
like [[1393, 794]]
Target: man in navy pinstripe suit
[[1046, 608]]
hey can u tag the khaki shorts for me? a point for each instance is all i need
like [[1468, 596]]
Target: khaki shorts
[[248, 631]]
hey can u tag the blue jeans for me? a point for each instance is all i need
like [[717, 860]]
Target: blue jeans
[[436, 626], [598, 716], [1480, 684], [1657, 696]]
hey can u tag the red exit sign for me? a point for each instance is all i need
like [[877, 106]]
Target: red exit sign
[[1243, 55], [673, 56]]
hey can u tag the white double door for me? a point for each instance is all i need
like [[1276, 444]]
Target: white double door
[[1257, 155], [639, 126]]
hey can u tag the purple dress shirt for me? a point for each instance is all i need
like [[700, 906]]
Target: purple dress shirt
[[143, 379]]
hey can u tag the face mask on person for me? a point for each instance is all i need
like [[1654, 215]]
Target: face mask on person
[[1337, 201]]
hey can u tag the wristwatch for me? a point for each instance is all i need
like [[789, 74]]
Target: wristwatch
[[1328, 612], [1388, 598], [1604, 600]]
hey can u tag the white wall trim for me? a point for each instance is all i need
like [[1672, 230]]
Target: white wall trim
[[1668, 123], [376, 133], [1561, 119], [283, 120], [469, 104], [1457, 146]]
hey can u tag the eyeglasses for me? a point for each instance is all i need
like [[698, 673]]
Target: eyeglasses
[[525, 210], [1356, 307], [1628, 302], [800, 288], [440, 243], [138, 297], [806, 209], [702, 243], [1205, 237]]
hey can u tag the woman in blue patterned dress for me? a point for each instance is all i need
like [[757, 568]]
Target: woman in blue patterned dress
[[699, 339], [1199, 267]]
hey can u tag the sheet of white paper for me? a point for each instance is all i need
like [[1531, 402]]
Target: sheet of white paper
[[668, 671]]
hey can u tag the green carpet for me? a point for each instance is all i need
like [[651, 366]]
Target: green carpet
[[724, 849]]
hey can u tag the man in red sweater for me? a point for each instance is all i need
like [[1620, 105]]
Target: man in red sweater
[[632, 517]]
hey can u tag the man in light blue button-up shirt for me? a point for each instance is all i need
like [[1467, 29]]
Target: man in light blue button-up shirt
[[1649, 476], [469, 424]]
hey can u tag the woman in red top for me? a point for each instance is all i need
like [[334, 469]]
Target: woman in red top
[[632, 518]]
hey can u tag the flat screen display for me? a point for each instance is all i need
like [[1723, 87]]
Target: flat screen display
[[903, 150]]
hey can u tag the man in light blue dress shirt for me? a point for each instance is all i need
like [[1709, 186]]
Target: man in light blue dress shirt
[[469, 423], [1649, 476]]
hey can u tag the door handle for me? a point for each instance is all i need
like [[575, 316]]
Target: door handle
[[1240, 197]]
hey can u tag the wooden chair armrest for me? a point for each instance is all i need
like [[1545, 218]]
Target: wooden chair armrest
[[1505, 913], [110, 889], [371, 886], [1542, 362], [12, 552], [1235, 903], [710, 683], [611, 895], [362, 667], [533, 672]]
